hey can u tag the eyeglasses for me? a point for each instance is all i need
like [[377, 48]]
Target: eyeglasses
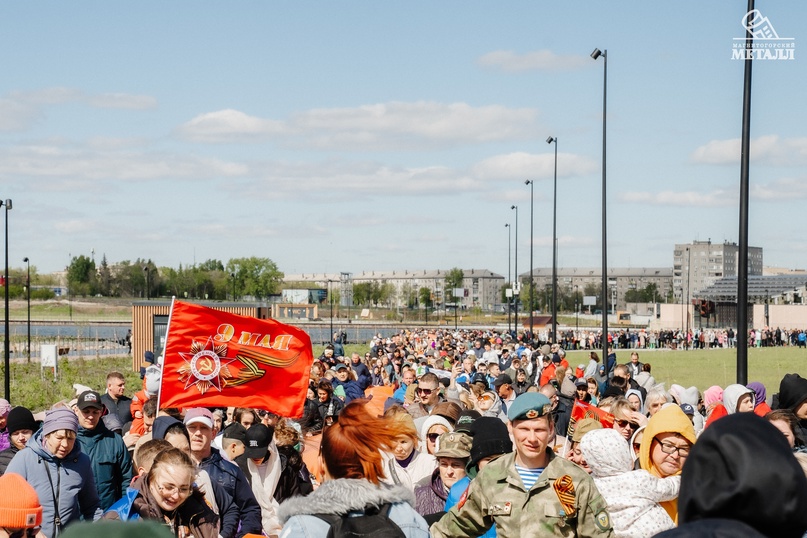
[[424, 392], [170, 489], [433, 437], [667, 448], [23, 533], [625, 424]]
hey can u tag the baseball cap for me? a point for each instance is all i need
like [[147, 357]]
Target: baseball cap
[[235, 431], [454, 445], [583, 427], [503, 379], [339, 366], [90, 398], [258, 439], [688, 409], [199, 414], [528, 406]]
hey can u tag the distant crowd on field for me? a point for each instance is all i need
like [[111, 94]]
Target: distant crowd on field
[[427, 432], [693, 338]]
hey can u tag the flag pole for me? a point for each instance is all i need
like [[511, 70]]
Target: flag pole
[[167, 334]]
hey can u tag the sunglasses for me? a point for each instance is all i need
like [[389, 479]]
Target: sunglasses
[[425, 392], [626, 423], [433, 437]]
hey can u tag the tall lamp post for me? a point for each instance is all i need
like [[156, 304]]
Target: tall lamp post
[[28, 297], [232, 276], [330, 300], [515, 274], [6, 341], [146, 270], [509, 274], [554, 140], [596, 54], [576, 313], [531, 183]]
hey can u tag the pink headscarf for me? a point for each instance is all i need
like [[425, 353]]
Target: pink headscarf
[[713, 394]]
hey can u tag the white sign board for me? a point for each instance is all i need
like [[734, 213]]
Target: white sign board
[[48, 357], [295, 296], [590, 300]]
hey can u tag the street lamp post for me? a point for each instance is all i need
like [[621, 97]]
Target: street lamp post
[[146, 270], [596, 54], [6, 341], [232, 277], [576, 313], [509, 275], [554, 140], [330, 300], [515, 274], [28, 297], [531, 183]]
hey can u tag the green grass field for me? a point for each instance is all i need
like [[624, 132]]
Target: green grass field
[[699, 368]]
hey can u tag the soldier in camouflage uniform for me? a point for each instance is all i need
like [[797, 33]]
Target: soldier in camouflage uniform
[[561, 499]]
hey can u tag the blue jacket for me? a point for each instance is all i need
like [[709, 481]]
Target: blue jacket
[[232, 480], [454, 496], [111, 462], [77, 496], [228, 512], [352, 389], [363, 375]]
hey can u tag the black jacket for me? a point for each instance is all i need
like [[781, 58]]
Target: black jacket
[[742, 469]]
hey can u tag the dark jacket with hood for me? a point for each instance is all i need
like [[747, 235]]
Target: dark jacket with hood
[[111, 462], [230, 477], [792, 392], [194, 514], [741, 479], [71, 478]]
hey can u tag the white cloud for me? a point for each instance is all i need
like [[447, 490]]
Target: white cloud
[[717, 198], [227, 126], [539, 60], [17, 116], [383, 126], [769, 149], [781, 189], [523, 166], [19, 110], [87, 165]]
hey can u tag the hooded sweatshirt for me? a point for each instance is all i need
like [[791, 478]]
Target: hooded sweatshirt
[[732, 395], [632, 496], [742, 478], [761, 407], [669, 419]]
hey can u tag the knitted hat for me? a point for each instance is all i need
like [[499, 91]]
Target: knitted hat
[[19, 504], [490, 438], [21, 418], [60, 418], [5, 407], [152, 380]]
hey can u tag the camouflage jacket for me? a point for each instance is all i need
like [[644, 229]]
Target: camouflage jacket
[[497, 495]]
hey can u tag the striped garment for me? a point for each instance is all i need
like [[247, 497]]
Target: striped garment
[[528, 476]]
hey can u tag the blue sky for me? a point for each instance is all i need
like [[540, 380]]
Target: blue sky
[[343, 136]]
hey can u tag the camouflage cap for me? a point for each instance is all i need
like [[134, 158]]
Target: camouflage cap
[[454, 445]]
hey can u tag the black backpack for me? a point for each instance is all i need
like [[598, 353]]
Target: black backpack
[[374, 522]]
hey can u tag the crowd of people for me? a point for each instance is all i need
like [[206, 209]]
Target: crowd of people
[[479, 434]]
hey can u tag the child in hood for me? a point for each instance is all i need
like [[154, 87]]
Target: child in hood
[[633, 497]]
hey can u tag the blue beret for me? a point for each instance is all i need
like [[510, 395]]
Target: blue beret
[[529, 405]]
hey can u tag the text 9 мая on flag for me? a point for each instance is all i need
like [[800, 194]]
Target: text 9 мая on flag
[[217, 359]]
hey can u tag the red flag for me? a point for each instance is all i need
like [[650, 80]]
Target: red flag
[[214, 358], [583, 410]]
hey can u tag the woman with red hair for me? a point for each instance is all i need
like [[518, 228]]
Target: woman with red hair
[[352, 467]]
